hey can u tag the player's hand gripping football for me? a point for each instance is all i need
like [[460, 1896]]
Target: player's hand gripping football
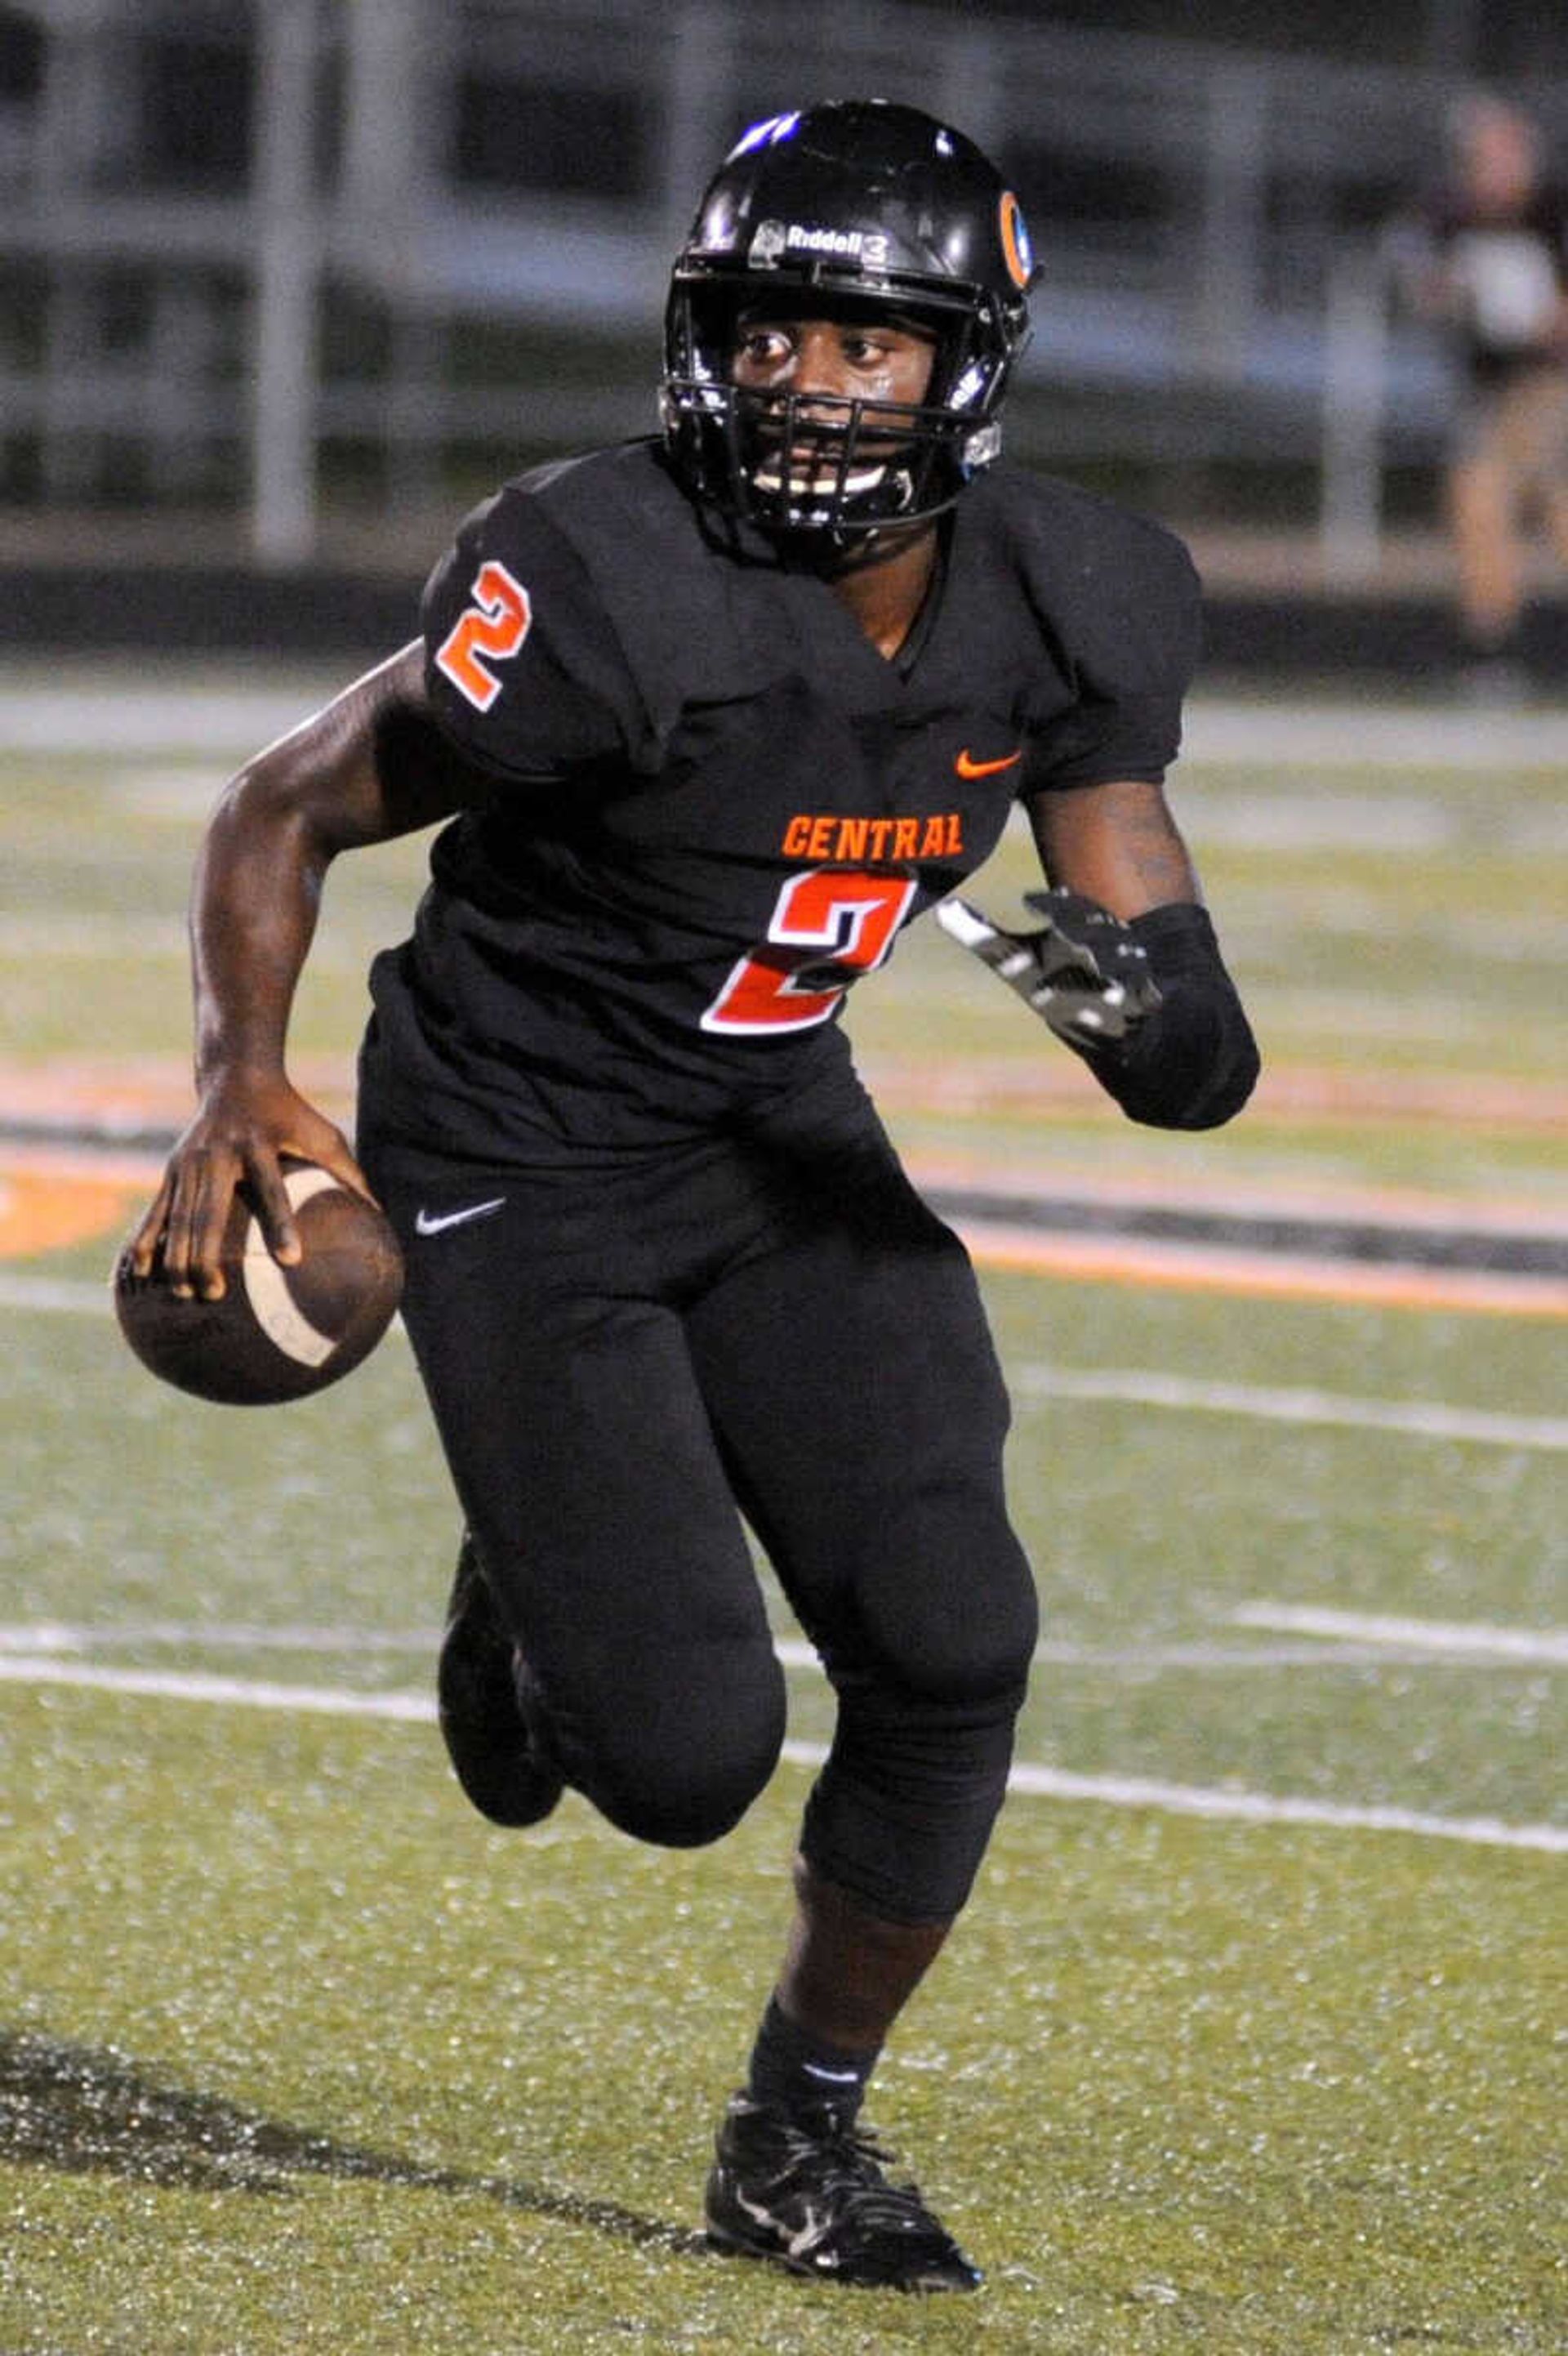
[[242, 1131], [1081, 971]]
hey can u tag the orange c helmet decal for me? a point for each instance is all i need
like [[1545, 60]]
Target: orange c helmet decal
[[1017, 251]]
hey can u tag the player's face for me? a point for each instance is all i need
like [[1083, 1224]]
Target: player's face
[[826, 361], [843, 360]]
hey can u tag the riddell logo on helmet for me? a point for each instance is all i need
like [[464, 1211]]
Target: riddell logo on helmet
[[774, 240]]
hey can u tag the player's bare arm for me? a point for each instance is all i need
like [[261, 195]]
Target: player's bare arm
[[363, 770], [1116, 844]]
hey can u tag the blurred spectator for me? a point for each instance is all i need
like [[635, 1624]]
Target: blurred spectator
[[1486, 258]]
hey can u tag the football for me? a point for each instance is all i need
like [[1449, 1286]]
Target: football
[[277, 1333]]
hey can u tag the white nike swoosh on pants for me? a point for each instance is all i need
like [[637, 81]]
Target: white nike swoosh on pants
[[430, 1222]]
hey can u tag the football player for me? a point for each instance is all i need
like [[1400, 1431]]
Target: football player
[[710, 717]]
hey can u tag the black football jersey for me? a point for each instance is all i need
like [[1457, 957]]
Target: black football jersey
[[706, 804]]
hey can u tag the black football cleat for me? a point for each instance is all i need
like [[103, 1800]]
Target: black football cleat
[[491, 1718], [812, 2196]]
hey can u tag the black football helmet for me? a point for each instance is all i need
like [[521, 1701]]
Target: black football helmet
[[853, 202]]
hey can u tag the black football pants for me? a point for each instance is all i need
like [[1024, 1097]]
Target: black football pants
[[625, 1360]]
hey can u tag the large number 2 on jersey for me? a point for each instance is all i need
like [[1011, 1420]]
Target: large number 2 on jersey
[[829, 914], [495, 623]]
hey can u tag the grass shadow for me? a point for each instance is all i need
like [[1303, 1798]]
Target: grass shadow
[[82, 2109]]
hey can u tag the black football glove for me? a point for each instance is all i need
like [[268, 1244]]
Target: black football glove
[[1082, 972]]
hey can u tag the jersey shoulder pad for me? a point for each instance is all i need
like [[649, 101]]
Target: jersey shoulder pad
[[1119, 592], [678, 606], [524, 668], [1116, 600]]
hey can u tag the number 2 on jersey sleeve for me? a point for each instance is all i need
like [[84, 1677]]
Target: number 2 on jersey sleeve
[[829, 915], [495, 623]]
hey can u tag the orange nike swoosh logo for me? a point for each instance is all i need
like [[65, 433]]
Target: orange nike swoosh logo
[[967, 766]]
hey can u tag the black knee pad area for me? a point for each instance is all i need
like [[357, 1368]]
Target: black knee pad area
[[682, 1763], [901, 1814], [943, 1594]]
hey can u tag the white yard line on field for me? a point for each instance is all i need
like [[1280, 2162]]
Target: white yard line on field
[[226, 1636], [245, 1693], [1032, 1781], [1131, 1387], [1418, 1418], [54, 1296], [208, 714], [186, 711], [1368, 732], [1460, 1639], [1269, 1808], [67, 1641]]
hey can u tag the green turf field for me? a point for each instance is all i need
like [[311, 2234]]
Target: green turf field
[[1252, 2042]]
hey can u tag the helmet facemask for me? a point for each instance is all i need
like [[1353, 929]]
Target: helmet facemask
[[818, 463]]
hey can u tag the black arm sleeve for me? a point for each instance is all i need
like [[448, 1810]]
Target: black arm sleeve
[[1194, 1061]]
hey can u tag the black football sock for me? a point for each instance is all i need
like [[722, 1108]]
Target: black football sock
[[798, 2074]]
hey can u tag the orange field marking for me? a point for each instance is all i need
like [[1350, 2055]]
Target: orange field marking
[[104, 1097], [52, 1200], [1288, 1095], [53, 1195], [1263, 1275], [154, 1088], [44, 1210]]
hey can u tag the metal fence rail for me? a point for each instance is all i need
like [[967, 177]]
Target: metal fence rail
[[232, 239]]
